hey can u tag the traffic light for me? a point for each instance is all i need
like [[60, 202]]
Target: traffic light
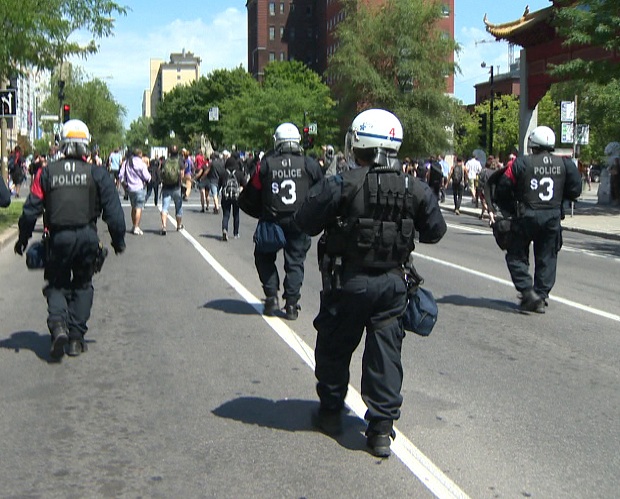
[[306, 138], [482, 120], [61, 90], [66, 113]]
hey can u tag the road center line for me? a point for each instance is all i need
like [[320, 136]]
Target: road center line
[[422, 467]]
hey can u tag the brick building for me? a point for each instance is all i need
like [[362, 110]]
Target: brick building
[[304, 30]]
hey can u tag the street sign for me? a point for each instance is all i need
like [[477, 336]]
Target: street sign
[[312, 129], [567, 111], [9, 102], [48, 117], [214, 114], [583, 134]]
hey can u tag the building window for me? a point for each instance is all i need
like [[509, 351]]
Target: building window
[[291, 7], [272, 56], [272, 8], [282, 56], [291, 34], [281, 32], [272, 32], [445, 10], [281, 7]]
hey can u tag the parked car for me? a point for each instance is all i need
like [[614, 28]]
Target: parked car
[[595, 173]]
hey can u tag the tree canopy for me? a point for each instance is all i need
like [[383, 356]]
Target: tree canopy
[[395, 57], [36, 33], [92, 102], [249, 111], [589, 22]]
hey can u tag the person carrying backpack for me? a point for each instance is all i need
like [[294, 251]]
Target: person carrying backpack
[[231, 183], [171, 175], [457, 177], [435, 176]]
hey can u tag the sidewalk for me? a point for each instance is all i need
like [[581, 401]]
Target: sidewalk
[[587, 217]]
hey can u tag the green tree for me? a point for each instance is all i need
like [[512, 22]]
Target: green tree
[[598, 105], [248, 111], [92, 102], [185, 109], [589, 23], [36, 33], [395, 57], [290, 92], [140, 135]]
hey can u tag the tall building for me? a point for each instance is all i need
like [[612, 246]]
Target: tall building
[[182, 69], [304, 30]]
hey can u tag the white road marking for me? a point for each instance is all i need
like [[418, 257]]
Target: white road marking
[[422, 467], [566, 248], [570, 303]]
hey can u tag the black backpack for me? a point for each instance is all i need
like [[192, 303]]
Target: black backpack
[[231, 189], [457, 174]]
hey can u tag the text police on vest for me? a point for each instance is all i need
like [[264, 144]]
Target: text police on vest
[[289, 173], [547, 170], [69, 179]]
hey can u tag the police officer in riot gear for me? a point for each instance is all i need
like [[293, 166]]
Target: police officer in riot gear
[[71, 194], [531, 192], [280, 183], [370, 214]]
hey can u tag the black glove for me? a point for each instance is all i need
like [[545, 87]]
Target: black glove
[[118, 248], [20, 247]]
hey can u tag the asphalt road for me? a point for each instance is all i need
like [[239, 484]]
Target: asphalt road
[[187, 391]]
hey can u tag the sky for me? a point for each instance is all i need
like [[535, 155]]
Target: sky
[[216, 31]]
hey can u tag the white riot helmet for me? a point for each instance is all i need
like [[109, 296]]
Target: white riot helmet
[[74, 139], [376, 136], [286, 137], [542, 137]]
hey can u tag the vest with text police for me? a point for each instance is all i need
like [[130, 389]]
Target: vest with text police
[[541, 184], [285, 186], [71, 196], [377, 231]]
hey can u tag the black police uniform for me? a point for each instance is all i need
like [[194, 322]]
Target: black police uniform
[[370, 217], [540, 184], [71, 194], [284, 179]]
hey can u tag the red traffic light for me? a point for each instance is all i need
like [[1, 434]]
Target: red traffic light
[[306, 129], [66, 113]]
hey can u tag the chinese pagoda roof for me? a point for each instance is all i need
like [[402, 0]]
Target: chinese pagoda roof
[[530, 29]]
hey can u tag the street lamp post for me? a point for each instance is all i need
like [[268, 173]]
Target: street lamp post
[[491, 108]]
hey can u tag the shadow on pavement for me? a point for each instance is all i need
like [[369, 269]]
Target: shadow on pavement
[[465, 301], [30, 340], [290, 415], [238, 307]]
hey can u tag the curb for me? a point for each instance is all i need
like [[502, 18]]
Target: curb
[[8, 236]]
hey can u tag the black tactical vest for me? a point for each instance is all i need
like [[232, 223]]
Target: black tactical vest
[[286, 184], [377, 230], [542, 184], [71, 194]]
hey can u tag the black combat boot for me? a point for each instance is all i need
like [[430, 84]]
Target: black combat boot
[[271, 305], [531, 302], [379, 436], [292, 311], [60, 338], [329, 421], [76, 346]]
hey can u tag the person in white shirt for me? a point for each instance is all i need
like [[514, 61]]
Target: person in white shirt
[[472, 170]]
